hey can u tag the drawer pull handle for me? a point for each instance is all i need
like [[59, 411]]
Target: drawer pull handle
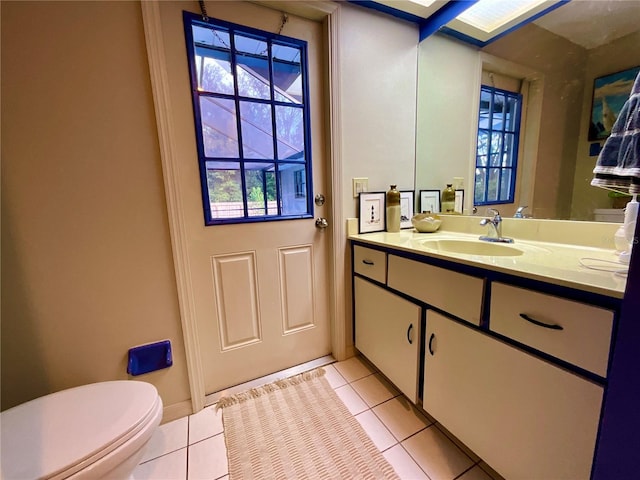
[[433, 335], [553, 326], [368, 262], [409, 330]]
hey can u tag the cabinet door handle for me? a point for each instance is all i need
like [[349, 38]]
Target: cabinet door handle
[[552, 326], [368, 262], [409, 330], [433, 335]]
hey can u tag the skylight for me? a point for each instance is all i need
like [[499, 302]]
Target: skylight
[[489, 15], [485, 20]]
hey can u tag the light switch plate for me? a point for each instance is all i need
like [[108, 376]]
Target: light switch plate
[[360, 185]]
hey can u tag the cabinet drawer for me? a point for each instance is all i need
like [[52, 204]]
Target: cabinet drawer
[[586, 330], [370, 263], [453, 292]]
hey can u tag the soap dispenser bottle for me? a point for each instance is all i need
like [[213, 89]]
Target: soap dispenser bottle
[[393, 210], [448, 199]]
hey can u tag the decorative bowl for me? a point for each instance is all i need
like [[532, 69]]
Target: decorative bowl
[[426, 222]]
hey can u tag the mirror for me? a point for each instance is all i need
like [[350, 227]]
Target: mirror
[[556, 77]]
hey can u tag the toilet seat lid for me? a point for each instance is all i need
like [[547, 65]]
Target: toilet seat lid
[[54, 433]]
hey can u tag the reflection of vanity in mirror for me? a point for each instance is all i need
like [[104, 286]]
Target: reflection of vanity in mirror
[[556, 77]]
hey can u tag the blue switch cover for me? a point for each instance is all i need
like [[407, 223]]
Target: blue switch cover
[[150, 357]]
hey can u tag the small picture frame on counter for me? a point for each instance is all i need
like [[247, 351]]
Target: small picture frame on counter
[[459, 201], [372, 212], [429, 201], [407, 205]]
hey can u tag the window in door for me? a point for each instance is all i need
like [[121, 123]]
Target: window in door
[[497, 148], [250, 102]]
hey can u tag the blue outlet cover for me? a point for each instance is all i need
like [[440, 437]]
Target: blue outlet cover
[[150, 357]]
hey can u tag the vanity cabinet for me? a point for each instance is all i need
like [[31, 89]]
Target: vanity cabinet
[[516, 369], [387, 329], [525, 417]]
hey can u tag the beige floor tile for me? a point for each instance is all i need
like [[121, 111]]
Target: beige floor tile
[[378, 433], [354, 368], [476, 473], [374, 389], [172, 466], [460, 445], [403, 464], [208, 459], [204, 424], [333, 377], [401, 417], [168, 438], [438, 456], [351, 399]]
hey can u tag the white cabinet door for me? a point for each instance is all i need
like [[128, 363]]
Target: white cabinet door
[[388, 333], [525, 417]]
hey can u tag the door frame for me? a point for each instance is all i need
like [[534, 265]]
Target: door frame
[[329, 13]]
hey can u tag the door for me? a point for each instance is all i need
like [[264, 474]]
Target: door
[[259, 290], [388, 333], [523, 416]]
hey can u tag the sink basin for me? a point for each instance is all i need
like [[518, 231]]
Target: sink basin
[[470, 247]]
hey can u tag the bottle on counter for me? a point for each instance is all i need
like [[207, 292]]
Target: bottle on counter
[[448, 199], [393, 210]]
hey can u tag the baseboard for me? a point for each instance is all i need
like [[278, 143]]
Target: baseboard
[[176, 411]]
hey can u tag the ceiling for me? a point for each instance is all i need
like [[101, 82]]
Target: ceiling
[[591, 23]]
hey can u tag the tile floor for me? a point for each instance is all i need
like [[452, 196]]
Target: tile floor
[[418, 448]]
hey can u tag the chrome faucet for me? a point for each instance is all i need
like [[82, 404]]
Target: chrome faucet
[[495, 228], [519, 213]]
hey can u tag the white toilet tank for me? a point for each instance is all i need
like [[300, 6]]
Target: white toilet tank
[[614, 215], [92, 428]]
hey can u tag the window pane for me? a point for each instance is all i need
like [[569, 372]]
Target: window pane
[[492, 187], [496, 149], [287, 74], [290, 133], [252, 68], [219, 129], [480, 186], [261, 189], [214, 74], [483, 143], [505, 184], [507, 158], [511, 114], [213, 37], [257, 131], [485, 109], [225, 190], [498, 109], [293, 179], [213, 60]]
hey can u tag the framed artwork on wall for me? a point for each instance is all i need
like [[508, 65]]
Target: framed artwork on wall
[[609, 94], [407, 205], [429, 201], [372, 212]]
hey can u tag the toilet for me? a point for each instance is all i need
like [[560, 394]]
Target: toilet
[[94, 431]]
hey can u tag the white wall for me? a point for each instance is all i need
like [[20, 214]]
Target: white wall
[[378, 61], [446, 125]]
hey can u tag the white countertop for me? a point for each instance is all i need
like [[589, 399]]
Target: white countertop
[[554, 263]]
